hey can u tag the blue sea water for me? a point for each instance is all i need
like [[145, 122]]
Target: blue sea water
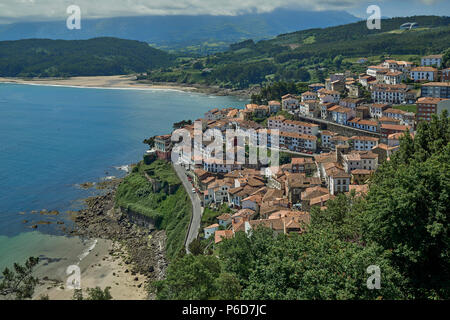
[[53, 138]]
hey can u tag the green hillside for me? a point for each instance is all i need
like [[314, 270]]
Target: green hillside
[[310, 54], [99, 56]]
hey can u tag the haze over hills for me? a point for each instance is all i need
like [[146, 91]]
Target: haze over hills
[[200, 33]]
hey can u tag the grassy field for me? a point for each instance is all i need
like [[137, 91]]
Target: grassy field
[[170, 212], [407, 107]]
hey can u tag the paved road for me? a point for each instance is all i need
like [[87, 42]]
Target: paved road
[[194, 226]]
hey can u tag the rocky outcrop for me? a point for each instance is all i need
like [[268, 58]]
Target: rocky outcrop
[[145, 245]]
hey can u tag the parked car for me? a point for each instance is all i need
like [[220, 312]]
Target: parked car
[[193, 190]]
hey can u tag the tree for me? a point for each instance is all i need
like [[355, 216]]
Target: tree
[[198, 65], [181, 124], [228, 287], [446, 58], [318, 265], [196, 247], [189, 278], [408, 206], [150, 141], [19, 284], [337, 61], [320, 75], [93, 294]]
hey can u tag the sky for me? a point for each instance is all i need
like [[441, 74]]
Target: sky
[[41, 10]]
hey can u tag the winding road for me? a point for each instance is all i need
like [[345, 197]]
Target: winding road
[[197, 210]]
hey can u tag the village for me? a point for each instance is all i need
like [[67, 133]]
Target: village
[[334, 136]]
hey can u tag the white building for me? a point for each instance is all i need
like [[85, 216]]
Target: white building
[[364, 143], [432, 60], [210, 230], [423, 73], [309, 95], [366, 160], [326, 96], [289, 102]]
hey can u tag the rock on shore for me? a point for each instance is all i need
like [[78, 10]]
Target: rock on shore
[[146, 248]]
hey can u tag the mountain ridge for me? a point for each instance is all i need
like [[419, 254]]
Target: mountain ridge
[[200, 34]]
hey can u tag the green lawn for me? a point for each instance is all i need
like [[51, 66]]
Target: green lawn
[[407, 107]]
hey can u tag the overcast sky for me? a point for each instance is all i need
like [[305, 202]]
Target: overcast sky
[[32, 10]]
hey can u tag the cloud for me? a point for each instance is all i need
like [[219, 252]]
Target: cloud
[[13, 10]]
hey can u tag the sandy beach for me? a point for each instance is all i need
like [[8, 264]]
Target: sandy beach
[[103, 266], [127, 82], [116, 82]]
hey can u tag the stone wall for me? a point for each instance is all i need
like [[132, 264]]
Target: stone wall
[[341, 129], [139, 219]]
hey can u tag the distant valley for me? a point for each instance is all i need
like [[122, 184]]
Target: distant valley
[[190, 34]]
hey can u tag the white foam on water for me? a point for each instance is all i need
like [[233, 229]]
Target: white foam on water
[[86, 252], [125, 168]]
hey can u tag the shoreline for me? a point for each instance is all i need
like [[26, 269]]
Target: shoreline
[[125, 82], [99, 267], [116, 253]]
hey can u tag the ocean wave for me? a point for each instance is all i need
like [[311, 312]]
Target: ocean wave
[[88, 250], [125, 168]]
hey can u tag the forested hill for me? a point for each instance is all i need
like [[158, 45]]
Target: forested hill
[[99, 56], [188, 33], [310, 54]]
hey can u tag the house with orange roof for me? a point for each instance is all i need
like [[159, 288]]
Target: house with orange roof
[[291, 224], [316, 86], [360, 176], [303, 165], [392, 93], [326, 96], [387, 129], [366, 160], [274, 106], [432, 60], [309, 95], [360, 190], [423, 74], [289, 102], [376, 109], [297, 142], [220, 235], [427, 106], [384, 151], [326, 138], [224, 219], [436, 90], [252, 202], [337, 179], [209, 230], [311, 194], [445, 74], [363, 143], [296, 183], [338, 140], [394, 77], [341, 114]]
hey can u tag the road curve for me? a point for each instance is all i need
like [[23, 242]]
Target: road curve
[[196, 218]]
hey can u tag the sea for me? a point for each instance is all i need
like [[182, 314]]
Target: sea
[[54, 138]]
